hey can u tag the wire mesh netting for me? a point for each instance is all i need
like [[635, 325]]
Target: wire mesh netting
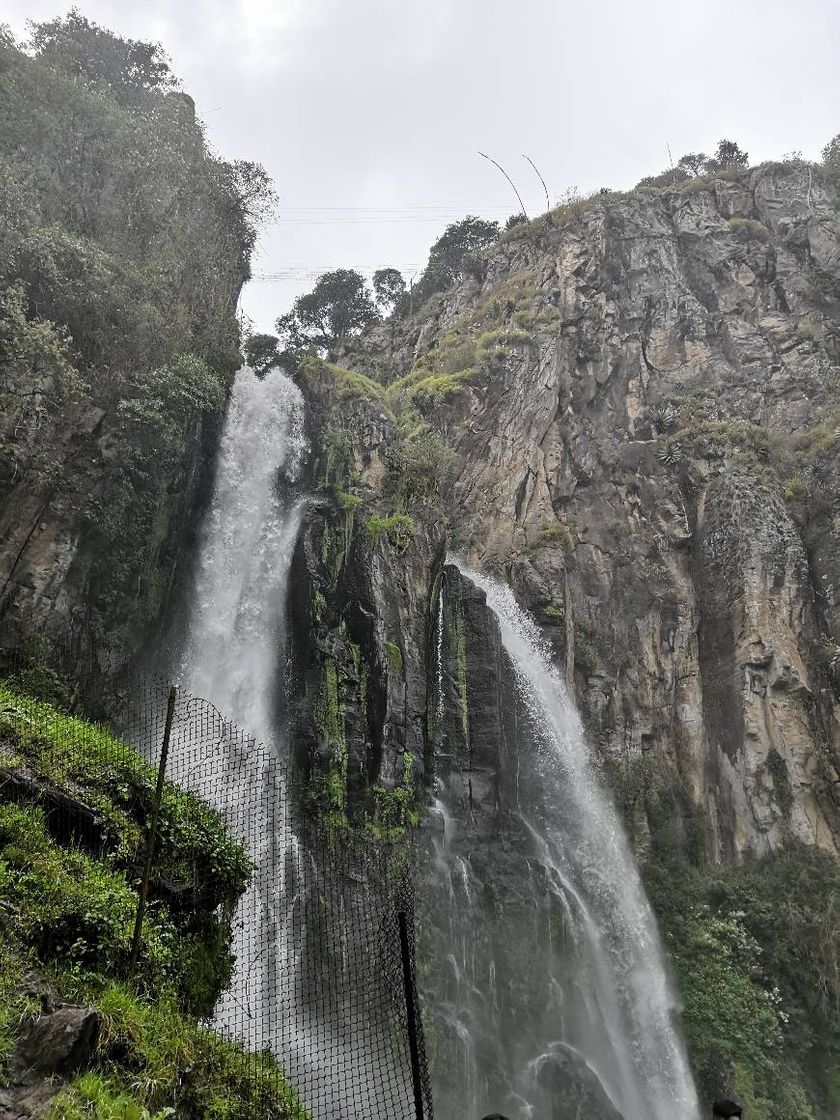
[[315, 988]]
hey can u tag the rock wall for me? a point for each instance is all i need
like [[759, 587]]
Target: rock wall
[[647, 451]]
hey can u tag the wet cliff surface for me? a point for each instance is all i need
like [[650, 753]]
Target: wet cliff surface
[[638, 397], [645, 444]]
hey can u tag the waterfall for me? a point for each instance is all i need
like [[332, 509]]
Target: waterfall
[[236, 632], [234, 657], [606, 1021]]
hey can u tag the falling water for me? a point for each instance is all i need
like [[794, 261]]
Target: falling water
[[608, 1015], [235, 657], [236, 631]]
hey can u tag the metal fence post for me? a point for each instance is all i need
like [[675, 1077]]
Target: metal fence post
[[411, 1015], [151, 838]]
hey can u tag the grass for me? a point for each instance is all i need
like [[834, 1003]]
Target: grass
[[150, 1058], [70, 907], [747, 229], [66, 921], [398, 529], [107, 775], [345, 383], [424, 386]]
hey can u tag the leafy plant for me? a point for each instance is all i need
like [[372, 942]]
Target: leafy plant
[[398, 529]]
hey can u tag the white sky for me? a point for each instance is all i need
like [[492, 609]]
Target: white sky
[[382, 104]]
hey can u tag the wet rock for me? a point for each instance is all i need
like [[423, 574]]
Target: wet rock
[[61, 1042], [727, 1108], [576, 1091]]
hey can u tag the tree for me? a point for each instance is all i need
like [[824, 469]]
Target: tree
[[261, 353], [831, 154], [127, 66], [515, 220], [338, 307], [453, 252], [727, 155], [693, 163], [388, 288]]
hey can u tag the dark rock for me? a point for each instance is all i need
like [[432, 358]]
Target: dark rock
[[61, 1042], [727, 1108], [576, 1092]]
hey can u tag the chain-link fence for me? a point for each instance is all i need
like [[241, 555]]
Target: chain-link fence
[[316, 985]]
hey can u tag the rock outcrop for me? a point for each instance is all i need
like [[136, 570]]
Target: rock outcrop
[[646, 450], [639, 395]]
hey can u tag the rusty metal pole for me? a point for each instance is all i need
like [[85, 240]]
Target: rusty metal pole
[[151, 838], [411, 1015]]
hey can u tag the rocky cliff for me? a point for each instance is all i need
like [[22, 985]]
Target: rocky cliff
[[124, 244], [641, 394], [636, 407]]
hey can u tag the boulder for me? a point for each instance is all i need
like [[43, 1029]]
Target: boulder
[[575, 1089], [60, 1042]]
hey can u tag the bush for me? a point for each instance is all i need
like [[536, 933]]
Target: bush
[[398, 529], [746, 229], [756, 950], [831, 155], [418, 464]]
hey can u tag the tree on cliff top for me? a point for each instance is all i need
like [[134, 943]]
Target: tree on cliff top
[[388, 288], [338, 307], [728, 155], [127, 67], [453, 253], [261, 353]]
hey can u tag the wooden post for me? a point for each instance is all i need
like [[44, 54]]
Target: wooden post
[[151, 838]]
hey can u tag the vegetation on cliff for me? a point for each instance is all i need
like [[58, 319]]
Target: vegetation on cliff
[[123, 246], [74, 803], [756, 953], [639, 391]]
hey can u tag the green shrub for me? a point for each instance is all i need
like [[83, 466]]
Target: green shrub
[[747, 229], [418, 464], [348, 502], [558, 532], [398, 529], [756, 950]]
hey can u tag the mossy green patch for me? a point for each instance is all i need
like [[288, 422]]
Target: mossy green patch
[[395, 810], [109, 776], [398, 529]]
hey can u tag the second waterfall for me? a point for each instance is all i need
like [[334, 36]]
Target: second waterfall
[[548, 996]]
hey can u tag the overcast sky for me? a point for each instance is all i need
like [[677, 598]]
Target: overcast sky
[[368, 113]]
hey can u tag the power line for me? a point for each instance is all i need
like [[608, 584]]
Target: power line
[[291, 272], [453, 206], [371, 220]]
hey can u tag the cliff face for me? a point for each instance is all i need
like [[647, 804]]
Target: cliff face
[[646, 446], [636, 408], [124, 244]]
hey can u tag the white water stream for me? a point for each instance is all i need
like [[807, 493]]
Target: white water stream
[[234, 656], [236, 632], [614, 1017]]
